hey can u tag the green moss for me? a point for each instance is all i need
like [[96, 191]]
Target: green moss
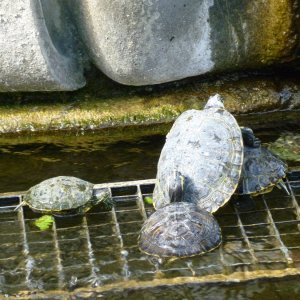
[[105, 104]]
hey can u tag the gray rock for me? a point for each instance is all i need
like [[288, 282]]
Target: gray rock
[[37, 47]]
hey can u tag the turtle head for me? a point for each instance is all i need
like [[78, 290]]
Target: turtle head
[[176, 191], [249, 138], [215, 101], [102, 195]]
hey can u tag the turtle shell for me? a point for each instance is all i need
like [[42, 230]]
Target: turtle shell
[[180, 229], [206, 147], [261, 170], [63, 195]]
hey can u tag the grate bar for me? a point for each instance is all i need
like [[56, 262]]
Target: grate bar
[[294, 201], [244, 234], [123, 253], [140, 203], [94, 270], [60, 272], [29, 261], [283, 248]]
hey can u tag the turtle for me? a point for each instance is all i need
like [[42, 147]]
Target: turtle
[[261, 170], [206, 148], [179, 229], [65, 195]]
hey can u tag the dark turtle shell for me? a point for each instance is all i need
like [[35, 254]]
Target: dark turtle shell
[[261, 170], [180, 229], [206, 148], [63, 195]]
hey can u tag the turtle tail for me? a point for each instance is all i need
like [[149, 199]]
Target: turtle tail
[[176, 192]]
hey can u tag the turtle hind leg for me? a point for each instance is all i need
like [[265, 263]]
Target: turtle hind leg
[[282, 186]]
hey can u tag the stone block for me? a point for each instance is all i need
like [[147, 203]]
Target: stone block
[[142, 42], [38, 47]]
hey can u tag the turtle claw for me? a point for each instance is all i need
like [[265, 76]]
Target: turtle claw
[[282, 186]]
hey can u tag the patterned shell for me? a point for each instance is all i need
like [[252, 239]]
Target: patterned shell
[[206, 147], [59, 194], [179, 229], [260, 172]]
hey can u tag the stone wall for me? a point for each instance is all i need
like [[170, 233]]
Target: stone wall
[[45, 45]]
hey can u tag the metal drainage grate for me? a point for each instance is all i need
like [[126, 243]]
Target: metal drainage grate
[[100, 249]]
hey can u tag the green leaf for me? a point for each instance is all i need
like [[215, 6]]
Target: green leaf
[[44, 222], [148, 200]]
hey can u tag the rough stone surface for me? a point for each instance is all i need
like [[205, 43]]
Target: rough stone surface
[[140, 42], [37, 47], [151, 41]]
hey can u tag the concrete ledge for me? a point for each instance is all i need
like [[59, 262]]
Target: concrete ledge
[[96, 106]]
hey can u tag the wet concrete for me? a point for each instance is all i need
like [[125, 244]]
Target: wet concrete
[[104, 103]]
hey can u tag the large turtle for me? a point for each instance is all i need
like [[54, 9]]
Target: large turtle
[[261, 170], [179, 229], [65, 195], [206, 148]]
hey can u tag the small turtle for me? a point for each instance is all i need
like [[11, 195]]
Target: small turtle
[[206, 147], [261, 170], [65, 195], [179, 229]]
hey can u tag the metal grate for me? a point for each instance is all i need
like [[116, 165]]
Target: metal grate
[[261, 237]]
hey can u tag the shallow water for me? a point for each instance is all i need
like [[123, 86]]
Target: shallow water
[[118, 157], [95, 157], [87, 156]]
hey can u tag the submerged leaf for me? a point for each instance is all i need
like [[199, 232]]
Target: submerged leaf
[[148, 200], [44, 222]]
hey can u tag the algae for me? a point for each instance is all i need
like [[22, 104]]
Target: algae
[[104, 103]]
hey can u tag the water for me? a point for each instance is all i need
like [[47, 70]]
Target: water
[[98, 157], [119, 156], [91, 156]]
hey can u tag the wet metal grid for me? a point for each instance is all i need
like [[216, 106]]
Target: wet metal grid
[[100, 248]]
